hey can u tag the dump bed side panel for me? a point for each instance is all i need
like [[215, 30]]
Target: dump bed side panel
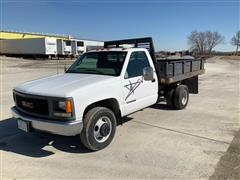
[[170, 71]]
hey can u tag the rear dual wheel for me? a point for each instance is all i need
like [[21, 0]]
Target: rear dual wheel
[[178, 98]]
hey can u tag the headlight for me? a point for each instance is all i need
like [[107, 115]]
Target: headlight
[[63, 108], [62, 105]]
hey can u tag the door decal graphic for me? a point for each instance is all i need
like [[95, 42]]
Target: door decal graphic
[[132, 87]]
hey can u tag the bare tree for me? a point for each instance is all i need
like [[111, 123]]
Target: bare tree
[[235, 41], [204, 42], [212, 40], [196, 42]]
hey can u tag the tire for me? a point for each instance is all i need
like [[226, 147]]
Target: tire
[[99, 126], [181, 97], [169, 98]]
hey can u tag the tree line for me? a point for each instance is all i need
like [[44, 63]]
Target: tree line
[[202, 43]]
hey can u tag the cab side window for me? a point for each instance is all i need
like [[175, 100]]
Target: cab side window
[[138, 60]]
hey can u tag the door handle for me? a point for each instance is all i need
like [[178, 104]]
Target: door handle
[[153, 80]]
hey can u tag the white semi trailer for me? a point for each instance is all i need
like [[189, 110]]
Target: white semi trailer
[[80, 46], [64, 47], [77, 47], [91, 44], [29, 47]]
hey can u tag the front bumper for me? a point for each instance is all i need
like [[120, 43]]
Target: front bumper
[[69, 128]]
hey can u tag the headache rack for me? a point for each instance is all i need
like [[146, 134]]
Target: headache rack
[[145, 42]]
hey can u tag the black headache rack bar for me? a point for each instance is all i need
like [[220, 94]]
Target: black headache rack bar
[[145, 42]]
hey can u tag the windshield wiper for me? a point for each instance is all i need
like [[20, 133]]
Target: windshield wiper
[[71, 71], [94, 70], [85, 70]]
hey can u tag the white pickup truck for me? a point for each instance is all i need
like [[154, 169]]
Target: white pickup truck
[[101, 87]]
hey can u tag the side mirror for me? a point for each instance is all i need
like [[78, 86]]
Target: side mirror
[[148, 74]]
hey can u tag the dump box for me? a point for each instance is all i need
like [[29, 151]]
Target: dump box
[[174, 70]]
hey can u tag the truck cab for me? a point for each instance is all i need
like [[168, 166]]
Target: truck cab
[[99, 88]]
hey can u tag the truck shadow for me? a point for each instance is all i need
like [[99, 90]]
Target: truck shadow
[[35, 144], [162, 107], [123, 120]]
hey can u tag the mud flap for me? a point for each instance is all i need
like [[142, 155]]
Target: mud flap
[[192, 84]]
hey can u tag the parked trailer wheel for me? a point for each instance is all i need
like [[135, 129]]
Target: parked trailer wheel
[[181, 97], [99, 126]]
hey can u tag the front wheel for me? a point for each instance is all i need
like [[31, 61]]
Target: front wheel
[[99, 126]]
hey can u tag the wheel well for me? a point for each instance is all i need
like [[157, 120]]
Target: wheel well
[[111, 104], [169, 87]]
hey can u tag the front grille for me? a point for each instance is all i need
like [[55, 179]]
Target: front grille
[[32, 105]]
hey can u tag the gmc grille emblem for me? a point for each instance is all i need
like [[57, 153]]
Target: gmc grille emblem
[[27, 104]]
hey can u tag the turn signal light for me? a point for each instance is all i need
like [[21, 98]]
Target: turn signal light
[[68, 106]]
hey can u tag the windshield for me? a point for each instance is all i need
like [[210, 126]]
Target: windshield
[[105, 63]]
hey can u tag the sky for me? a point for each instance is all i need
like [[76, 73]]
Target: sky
[[169, 22]]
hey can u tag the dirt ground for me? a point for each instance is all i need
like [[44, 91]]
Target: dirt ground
[[200, 142]]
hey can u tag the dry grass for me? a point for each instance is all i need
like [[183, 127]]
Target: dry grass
[[231, 57]]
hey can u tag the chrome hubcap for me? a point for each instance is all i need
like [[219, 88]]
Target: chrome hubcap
[[184, 99], [102, 129]]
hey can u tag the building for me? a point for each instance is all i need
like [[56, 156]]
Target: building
[[65, 45], [21, 35]]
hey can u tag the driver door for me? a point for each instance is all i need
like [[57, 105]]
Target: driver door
[[138, 93]]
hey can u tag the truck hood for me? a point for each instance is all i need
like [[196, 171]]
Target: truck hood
[[62, 85]]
